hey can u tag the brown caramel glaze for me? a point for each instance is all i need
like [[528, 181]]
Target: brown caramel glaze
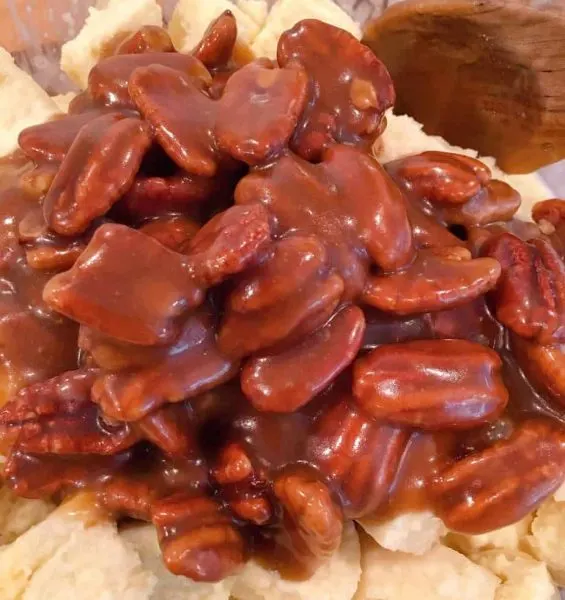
[[35, 342]]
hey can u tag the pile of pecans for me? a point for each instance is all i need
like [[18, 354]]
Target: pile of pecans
[[255, 331]]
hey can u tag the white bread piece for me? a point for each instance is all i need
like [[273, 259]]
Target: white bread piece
[[510, 539], [143, 539], [256, 9], [286, 13], [546, 540], [24, 103], [522, 577], [414, 532], [440, 574], [191, 18], [23, 557], [80, 54], [93, 564], [335, 580], [404, 136], [63, 101], [17, 515]]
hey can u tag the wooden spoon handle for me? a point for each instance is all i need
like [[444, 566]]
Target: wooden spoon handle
[[484, 74]]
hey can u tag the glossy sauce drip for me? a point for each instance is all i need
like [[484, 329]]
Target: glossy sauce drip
[[35, 342]]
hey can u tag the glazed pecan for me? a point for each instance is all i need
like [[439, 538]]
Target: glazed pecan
[[292, 262], [427, 232], [497, 201], [154, 196], [550, 216], [44, 476], [198, 538], [312, 522], [502, 484], [285, 381], [530, 296], [57, 417], [109, 79], [113, 355], [451, 384], [103, 293], [36, 183], [357, 455], [192, 365], [148, 38], [243, 487], [439, 278], [543, 365], [477, 237], [440, 177], [98, 168], [127, 496], [46, 250], [171, 429], [243, 334], [265, 135], [227, 244], [216, 47], [200, 139], [51, 141], [347, 201], [173, 231], [350, 90]]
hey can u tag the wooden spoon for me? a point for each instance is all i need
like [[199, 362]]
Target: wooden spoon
[[484, 74]]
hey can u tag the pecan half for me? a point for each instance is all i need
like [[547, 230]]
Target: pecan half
[[497, 201], [265, 135], [149, 38], [530, 297], [218, 43], [350, 90], [285, 381], [439, 278], [108, 80], [57, 417], [198, 538], [173, 231], [44, 476], [358, 456], [45, 250], [543, 365], [103, 293], [312, 522], [99, 167], [504, 483], [451, 384], [227, 244], [242, 334], [293, 262], [51, 141], [440, 177], [155, 196], [550, 216], [192, 365], [242, 486]]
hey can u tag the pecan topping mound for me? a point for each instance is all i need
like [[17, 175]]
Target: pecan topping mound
[[220, 314]]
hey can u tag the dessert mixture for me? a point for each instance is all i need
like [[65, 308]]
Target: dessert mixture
[[223, 316]]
